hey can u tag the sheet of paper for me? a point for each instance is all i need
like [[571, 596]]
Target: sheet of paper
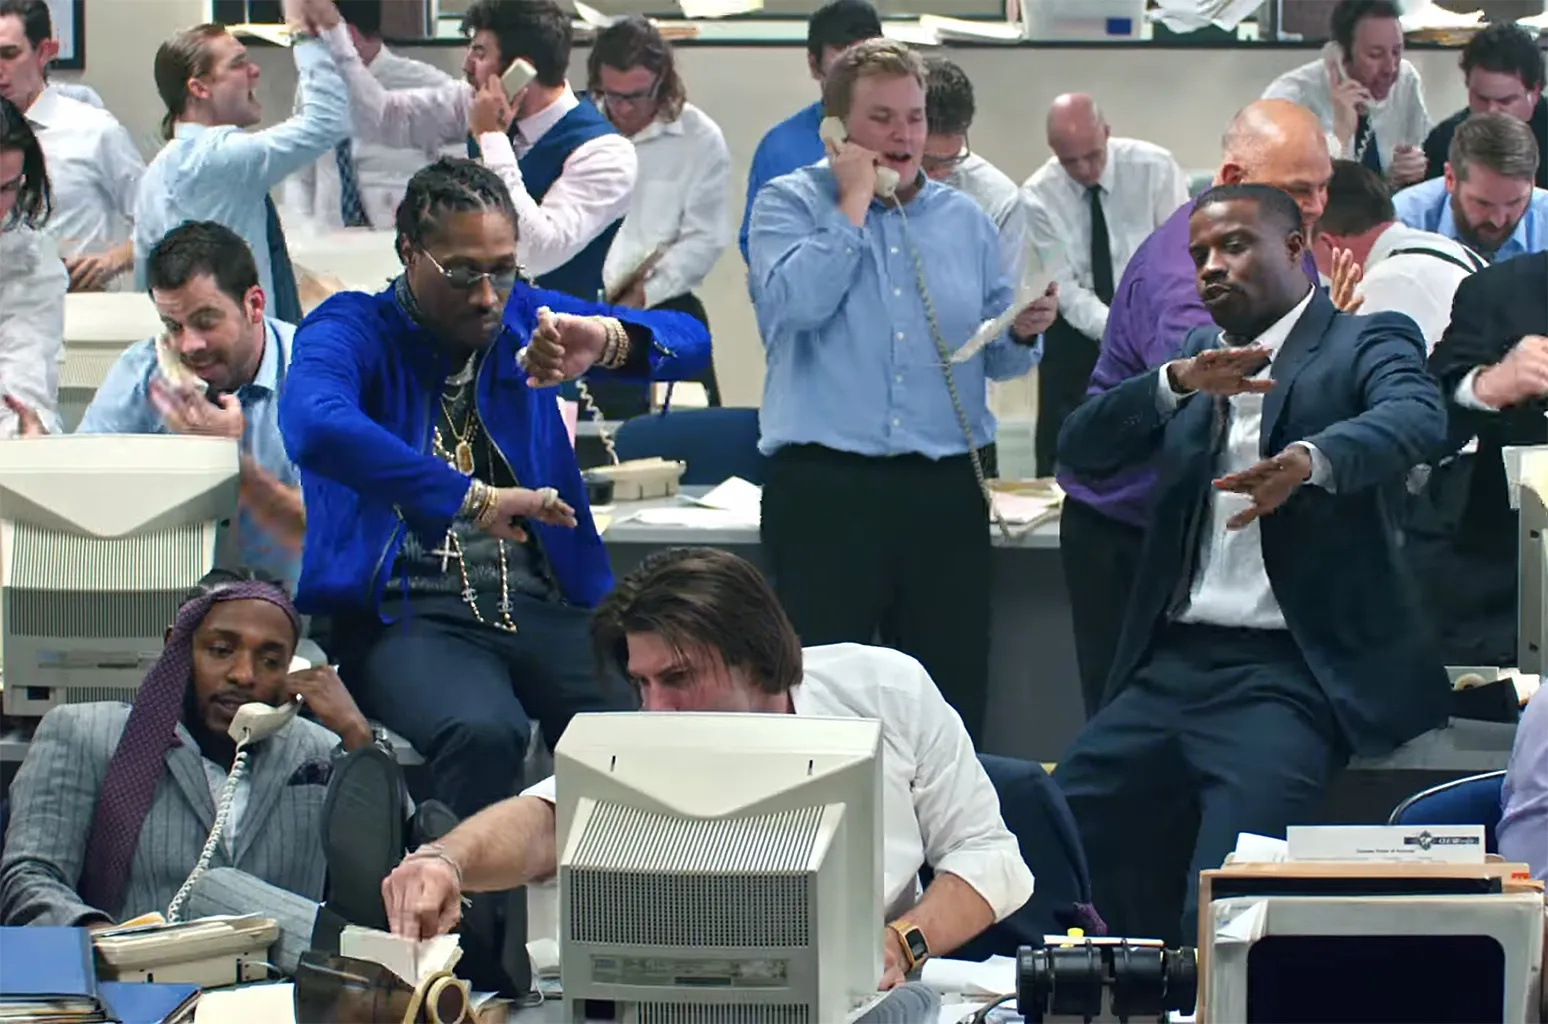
[[1256, 849], [1032, 287], [993, 977], [735, 495], [593, 17], [272, 1004], [1432, 17], [958, 28], [718, 8], [694, 518], [409, 960], [911, 33]]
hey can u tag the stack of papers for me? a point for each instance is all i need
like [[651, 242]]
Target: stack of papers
[[1027, 503], [411, 960], [1430, 18]]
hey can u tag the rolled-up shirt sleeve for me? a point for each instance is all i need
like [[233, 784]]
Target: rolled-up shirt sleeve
[[546, 790], [959, 811]]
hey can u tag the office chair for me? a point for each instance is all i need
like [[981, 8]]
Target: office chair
[[1474, 800], [715, 443]]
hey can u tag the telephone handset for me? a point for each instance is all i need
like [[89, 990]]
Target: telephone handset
[[887, 180], [172, 370], [517, 77], [253, 723]]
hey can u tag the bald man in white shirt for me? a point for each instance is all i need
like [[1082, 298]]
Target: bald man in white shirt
[[722, 643]]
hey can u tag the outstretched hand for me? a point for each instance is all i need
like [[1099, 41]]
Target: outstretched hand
[[1268, 483], [1343, 281]]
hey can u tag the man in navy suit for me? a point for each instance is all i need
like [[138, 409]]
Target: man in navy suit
[[1273, 630]]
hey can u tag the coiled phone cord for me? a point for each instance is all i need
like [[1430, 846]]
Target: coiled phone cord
[[594, 412], [222, 816], [943, 351]]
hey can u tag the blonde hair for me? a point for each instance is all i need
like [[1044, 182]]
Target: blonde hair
[[873, 57]]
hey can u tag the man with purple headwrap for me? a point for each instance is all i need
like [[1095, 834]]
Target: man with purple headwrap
[[114, 804]]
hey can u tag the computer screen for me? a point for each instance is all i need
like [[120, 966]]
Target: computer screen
[[719, 866], [100, 536], [1532, 591]]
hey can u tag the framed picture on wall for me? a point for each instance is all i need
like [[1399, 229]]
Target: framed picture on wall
[[69, 17]]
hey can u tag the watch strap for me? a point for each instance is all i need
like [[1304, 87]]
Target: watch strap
[[915, 949]]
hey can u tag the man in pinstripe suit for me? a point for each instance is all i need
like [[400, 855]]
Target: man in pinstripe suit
[[113, 805]]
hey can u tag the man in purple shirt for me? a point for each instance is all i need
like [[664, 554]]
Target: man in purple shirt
[[1523, 828], [1270, 142]]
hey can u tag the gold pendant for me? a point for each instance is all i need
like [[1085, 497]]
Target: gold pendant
[[464, 456]]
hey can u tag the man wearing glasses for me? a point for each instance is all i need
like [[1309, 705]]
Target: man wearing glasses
[[447, 529]]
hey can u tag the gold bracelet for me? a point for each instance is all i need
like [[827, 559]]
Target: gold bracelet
[[616, 353], [486, 512]]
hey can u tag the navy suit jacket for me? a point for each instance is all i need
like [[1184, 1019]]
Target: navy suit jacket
[[1356, 388]]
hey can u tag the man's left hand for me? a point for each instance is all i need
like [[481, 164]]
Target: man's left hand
[[892, 960], [491, 110], [188, 412], [1269, 483], [562, 348], [324, 692], [94, 271], [1408, 166], [1037, 317]]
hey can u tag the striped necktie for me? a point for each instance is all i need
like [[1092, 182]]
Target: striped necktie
[[351, 210]]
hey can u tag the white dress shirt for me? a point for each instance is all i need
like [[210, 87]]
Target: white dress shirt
[[680, 202], [94, 173], [1398, 120], [1142, 186], [938, 805], [80, 92], [1415, 284], [311, 196], [592, 192], [1230, 585], [993, 190], [33, 283]]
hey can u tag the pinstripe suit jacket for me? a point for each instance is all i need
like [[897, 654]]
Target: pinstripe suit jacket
[[54, 795]]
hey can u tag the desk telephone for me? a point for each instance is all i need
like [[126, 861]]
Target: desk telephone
[[517, 77], [832, 131], [252, 723]]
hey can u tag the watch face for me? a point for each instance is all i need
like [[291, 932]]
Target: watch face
[[917, 947]]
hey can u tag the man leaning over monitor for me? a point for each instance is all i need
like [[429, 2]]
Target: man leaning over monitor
[[697, 629], [219, 370]]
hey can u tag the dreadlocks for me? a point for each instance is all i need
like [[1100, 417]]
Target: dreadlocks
[[450, 185]]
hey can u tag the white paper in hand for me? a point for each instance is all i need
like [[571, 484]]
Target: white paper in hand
[[1033, 286]]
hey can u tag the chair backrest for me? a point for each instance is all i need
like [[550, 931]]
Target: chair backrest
[[716, 443], [1474, 800]]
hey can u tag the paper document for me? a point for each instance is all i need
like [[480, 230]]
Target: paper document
[[272, 1004], [695, 518], [995, 976], [958, 28], [1033, 285], [718, 8], [411, 960], [910, 32], [735, 495], [593, 17], [1431, 17]]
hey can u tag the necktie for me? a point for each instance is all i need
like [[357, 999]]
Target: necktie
[[475, 152], [1101, 248], [350, 208], [1365, 149], [286, 300]]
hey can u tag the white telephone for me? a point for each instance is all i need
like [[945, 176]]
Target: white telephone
[[253, 723], [517, 77], [887, 181], [172, 370]]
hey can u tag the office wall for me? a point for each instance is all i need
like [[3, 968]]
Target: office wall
[[1179, 98]]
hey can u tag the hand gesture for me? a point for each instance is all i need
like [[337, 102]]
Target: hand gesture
[[562, 348], [854, 168], [1520, 377], [1221, 371], [422, 898], [329, 700], [1038, 316], [513, 504], [1350, 99], [28, 423], [1269, 483], [185, 411], [93, 272], [1408, 166], [491, 111], [1344, 278]]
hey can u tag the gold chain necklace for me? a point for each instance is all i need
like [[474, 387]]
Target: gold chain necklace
[[462, 454]]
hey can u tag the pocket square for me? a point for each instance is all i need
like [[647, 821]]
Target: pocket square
[[313, 773]]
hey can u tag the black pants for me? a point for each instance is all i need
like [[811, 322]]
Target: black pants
[[1101, 559], [892, 548], [1062, 375], [465, 694], [1222, 731], [689, 303], [1470, 595]]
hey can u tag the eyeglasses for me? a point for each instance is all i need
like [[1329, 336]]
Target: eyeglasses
[[616, 99], [945, 163], [465, 279]]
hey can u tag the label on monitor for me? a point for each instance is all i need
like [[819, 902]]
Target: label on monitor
[[691, 972]]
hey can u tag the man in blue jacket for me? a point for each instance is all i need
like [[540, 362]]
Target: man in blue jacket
[[448, 533], [1273, 630]]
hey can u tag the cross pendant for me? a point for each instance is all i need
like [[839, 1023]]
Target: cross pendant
[[447, 552]]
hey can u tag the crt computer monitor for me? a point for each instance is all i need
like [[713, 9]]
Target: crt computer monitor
[[1532, 589], [100, 537], [719, 867], [98, 327]]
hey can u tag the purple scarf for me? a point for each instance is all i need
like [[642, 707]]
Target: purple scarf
[[140, 757]]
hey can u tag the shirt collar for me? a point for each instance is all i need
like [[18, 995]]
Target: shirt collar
[[532, 128], [188, 129], [44, 111], [1274, 337], [266, 380], [1515, 245], [658, 128], [1109, 174]]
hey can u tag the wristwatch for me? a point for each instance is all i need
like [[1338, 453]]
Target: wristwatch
[[915, 949]]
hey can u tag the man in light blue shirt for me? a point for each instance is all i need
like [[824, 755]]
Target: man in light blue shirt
[[205, 286], [1486, 200], [874, 513], [211, 169], [793, 143]]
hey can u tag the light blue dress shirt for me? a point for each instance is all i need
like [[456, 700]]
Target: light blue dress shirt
[[852, 362], [224, 174], [122, 405], [1427, 206], [788, 146]]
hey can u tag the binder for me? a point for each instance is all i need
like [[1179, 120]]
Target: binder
[[48, 972], [148, 1002]]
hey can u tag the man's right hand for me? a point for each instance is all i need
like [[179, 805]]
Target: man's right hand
[[513, 504], [1220, 371], [422, 898], [28, 423], [490, 111], [1520, 377], [854, 168], [1349, 99]]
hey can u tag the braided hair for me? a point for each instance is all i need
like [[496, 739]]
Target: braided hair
[[450, 185]]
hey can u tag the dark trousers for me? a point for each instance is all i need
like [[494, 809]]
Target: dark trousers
[[1101, 559], [895, 549], [1062, 375], [1221, 731], [1470, 596], [465, 694], [689, 303]]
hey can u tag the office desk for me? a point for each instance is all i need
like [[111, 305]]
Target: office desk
[[1034, 705]]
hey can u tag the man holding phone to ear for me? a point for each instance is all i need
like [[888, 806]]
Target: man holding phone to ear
[[1370, 99], [862, 294]]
